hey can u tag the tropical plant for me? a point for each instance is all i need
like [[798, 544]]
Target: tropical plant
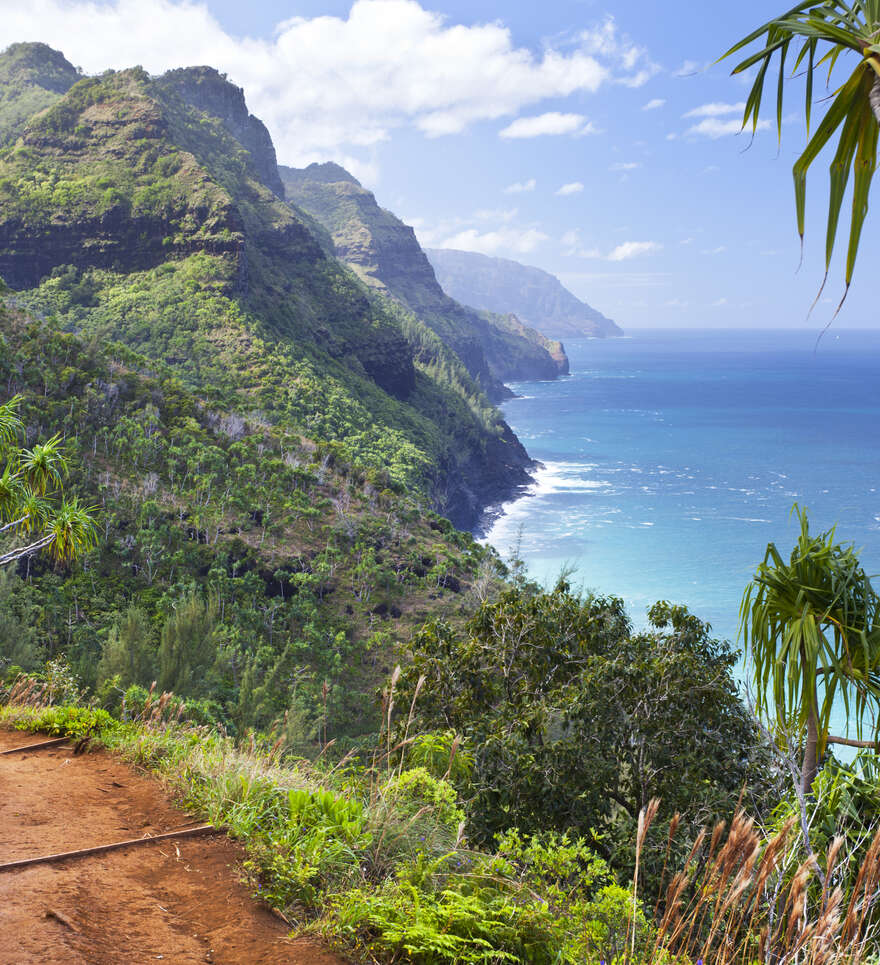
[[812, 627], [32, 501], [823, 32]]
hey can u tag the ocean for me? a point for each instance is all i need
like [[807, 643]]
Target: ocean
[[672, 458]]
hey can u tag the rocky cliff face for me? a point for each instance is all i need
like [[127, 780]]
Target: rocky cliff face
[[536, 297], [208, 91], [387, 256], [554, 348], [147, 210]]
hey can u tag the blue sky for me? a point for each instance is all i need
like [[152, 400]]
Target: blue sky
[[590, 139]]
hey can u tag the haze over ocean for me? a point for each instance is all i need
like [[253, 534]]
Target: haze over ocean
[[673, 457]]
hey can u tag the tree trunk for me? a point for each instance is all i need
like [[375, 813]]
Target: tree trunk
[[875, 98], [810, 766]]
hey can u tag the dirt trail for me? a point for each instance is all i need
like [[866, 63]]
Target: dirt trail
[[179, 901]]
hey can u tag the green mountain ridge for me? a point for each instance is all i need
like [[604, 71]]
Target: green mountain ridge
[[387, 256], [146, 210], [316, 568], [32, 78], [536, 297]]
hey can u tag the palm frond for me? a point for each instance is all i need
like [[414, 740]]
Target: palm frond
[[827, 29]]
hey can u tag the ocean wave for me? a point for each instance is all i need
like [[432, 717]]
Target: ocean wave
[[566, 477]]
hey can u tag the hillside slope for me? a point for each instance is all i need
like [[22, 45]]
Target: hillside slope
[[386, 255], [32, 78], [311, 569], [147, 210], [536, 297]]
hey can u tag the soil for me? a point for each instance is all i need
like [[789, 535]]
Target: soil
[[179, 901]]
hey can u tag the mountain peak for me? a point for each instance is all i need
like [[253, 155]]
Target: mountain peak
[[327, 173], [210, 91], [38, 65], [536, 297], [32, 77]]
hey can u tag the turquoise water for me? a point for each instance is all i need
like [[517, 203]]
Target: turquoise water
[[672, 458]]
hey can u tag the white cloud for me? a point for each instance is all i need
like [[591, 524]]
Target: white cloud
[[327, 85], [719, 303], [624, 166], [552, 122], [654, 104], [520, 241], [716, 109], [676, 303], [519, 187], [605, 41], [571, 242], [574, 187], [714, 251], [715, 128], [494, 214], [632, 249]]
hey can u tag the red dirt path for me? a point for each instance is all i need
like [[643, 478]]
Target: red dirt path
[[178, 901]]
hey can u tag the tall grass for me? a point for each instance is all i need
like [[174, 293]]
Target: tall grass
[[371, 854], [744, 897]]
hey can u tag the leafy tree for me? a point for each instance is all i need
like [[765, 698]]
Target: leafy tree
[[188, 647], [129, 651], [824, 32], [575, 722], [812, 626], [32, 503], [18, 639]]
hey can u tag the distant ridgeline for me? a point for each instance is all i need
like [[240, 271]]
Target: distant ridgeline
[[386, 256], [150, 211], [536, 297]]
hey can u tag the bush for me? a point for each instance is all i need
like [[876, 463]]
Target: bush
[[415, 791]]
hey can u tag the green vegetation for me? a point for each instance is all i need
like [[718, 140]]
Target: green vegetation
[[32, 78], [265, 438], [295, 569], [374, 854], [33, 509], [813, 627], [821, 32], [372, 858], [576, 723], [384, 252], [147, 222]]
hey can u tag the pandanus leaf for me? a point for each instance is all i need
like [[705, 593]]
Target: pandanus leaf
[[830, 123], [10, 423], [865, 165], [840, 168]]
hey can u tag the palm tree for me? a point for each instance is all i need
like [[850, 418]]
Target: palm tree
[[823, 33], [32, 502], [812, 627]]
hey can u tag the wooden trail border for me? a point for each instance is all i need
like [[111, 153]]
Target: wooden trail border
[[103, 848], [35, 747]]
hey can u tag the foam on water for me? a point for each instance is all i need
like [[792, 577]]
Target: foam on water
[[671, 459]]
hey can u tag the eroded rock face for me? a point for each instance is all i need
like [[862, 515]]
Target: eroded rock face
[[536, 297], [386, 254], [124, 173], [207, 90]]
